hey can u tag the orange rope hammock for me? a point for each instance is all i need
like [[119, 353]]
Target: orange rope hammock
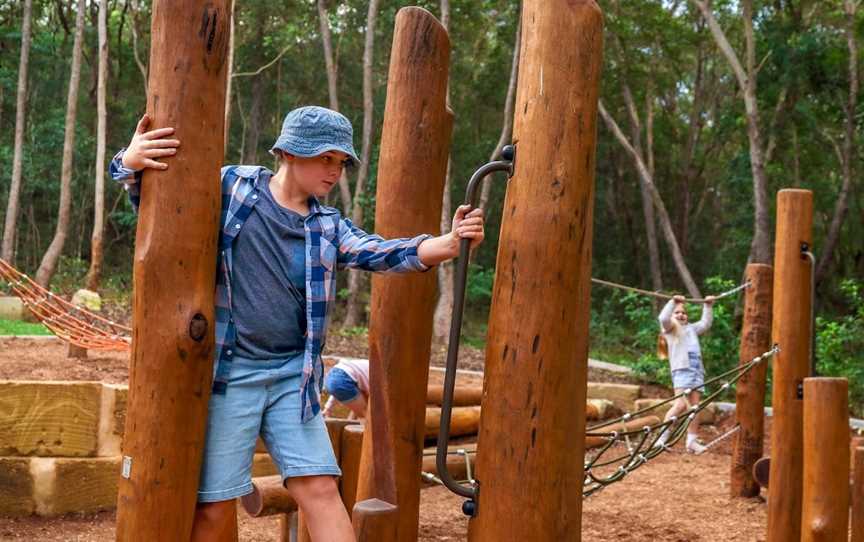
[[70, 323]]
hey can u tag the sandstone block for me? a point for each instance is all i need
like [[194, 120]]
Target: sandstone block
[[49, 419]]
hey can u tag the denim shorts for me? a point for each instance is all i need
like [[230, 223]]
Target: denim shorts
[[262, 397], [340, 385], [688, 378]]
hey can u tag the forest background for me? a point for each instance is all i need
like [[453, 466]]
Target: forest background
[[708, 108]]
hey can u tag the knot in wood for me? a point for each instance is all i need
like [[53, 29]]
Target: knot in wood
[[198, 327]]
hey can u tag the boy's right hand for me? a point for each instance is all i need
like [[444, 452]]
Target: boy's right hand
[[145, 146]]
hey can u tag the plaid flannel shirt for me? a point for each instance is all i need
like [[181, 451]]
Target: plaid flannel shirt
[[331, 241]]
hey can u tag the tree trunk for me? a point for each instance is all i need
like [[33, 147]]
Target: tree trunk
[[229, 83], [841, 207], [354, 310], [333, 92], [444, 304], [507, 122], [760, 248], [94, 275], [665, 222], [8, 251], [254, 125], [52, 255], [136, 10]]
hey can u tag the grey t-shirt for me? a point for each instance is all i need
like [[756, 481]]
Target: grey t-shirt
[[269, 281]]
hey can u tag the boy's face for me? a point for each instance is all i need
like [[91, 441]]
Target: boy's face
[[317, 175]]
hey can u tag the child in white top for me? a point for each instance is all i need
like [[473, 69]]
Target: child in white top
[[679, 340]]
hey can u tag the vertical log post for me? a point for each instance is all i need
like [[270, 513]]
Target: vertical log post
[[858, 496], [349, 462], [825, 498], [414, 146], [375, 520], [537, 345], [791, 331], [175, 262], [750, 392]]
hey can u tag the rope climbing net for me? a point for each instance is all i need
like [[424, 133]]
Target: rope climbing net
[[69, 322], [640, 433]]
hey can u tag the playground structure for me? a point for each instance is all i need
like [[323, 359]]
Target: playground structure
[[534, 395]]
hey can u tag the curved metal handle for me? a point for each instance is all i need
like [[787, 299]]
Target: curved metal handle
[[459, 284]]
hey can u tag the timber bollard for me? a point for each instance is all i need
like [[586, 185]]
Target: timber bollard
[[375, 521], [537, 348], [825, 499], [791, 331], [750, 391], [415, 143], [171, 366]]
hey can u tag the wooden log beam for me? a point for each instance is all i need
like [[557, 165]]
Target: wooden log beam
[[631, 425], [414, 147], [463, 421], [791, 331], [750, 391], [857, 496], [268, 498], [537, 352], [462, 396], [175, 262], [825, 498]]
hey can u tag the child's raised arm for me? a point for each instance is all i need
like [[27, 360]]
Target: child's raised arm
[[665, 317], [704, 323]]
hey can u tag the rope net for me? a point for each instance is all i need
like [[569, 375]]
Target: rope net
[[641, 438], [69, 322]]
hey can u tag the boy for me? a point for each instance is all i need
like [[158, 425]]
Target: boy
[[279, 249]]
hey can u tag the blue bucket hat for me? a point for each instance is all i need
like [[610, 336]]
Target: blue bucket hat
[[312, 130]]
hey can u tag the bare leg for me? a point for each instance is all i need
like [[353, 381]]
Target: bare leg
[[694, 398], [325, 515], [215, 522]]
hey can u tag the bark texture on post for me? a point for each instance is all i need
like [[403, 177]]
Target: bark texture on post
[[791, 331], [825, 500], [858, 496], [175, 262], [412, 164], [750, 391], [537, 352]]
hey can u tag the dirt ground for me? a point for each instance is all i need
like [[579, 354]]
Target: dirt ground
[[675, 498]]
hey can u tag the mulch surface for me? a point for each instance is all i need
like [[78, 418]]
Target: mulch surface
[[675, 498]]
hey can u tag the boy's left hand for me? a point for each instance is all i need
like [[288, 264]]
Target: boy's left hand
[[468, 225]]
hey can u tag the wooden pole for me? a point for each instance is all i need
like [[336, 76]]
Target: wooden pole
[[825, 500], [375, 520], [750, 391], [858, 497], [531, 443], [175, 262], [414, 146], [791, 331]]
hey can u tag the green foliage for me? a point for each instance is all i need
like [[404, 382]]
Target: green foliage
[[840, 342], [15, 327], [479, 287]]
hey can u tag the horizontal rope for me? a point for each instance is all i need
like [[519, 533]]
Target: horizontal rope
[[661, 295]]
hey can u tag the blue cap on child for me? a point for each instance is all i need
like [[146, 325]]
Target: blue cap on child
[[313, 130]]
